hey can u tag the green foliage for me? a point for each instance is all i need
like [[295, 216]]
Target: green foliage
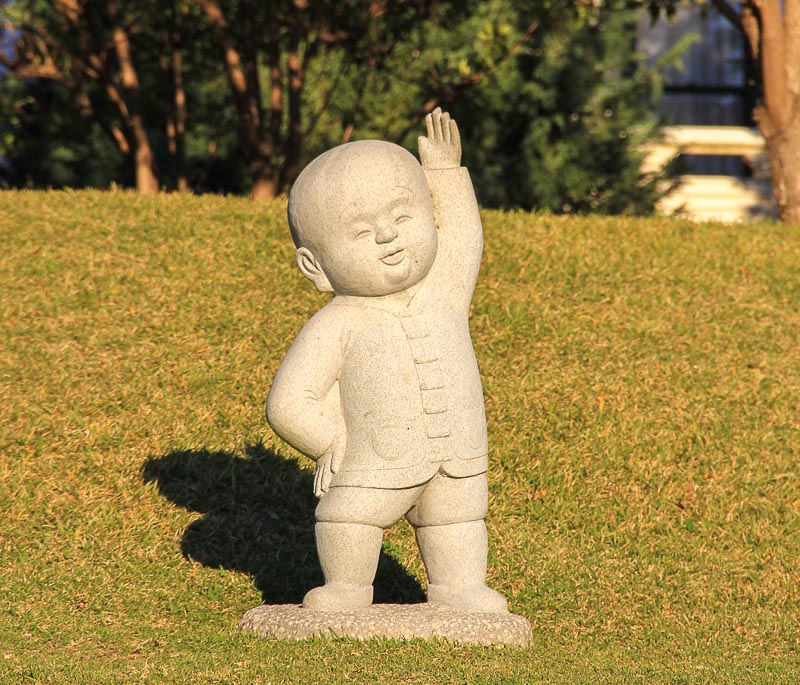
[[49, 145], [559, 127], [641, 377], [54, 139], [554, 122], [552, 101], [436, 61]]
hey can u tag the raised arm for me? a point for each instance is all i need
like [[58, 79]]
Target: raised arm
[[455, 206], [303, 404]]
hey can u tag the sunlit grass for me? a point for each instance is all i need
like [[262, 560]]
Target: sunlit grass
[[642, 382]]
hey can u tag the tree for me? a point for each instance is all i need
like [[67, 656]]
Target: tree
[[172, 64], [235, 95], [772, 32], [290, 35], [458, 46], [86, 47], [560, 126], [552, 104]]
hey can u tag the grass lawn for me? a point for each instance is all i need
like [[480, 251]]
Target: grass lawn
[[642, 383]]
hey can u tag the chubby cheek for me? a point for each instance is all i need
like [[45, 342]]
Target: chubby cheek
[[361, 267], [346, 270], [426, 244]]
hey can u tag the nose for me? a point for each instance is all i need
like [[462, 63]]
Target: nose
[[385, 232]]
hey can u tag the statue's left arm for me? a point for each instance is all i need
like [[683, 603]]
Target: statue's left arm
[[455, 207]]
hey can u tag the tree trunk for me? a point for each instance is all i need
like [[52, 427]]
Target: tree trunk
[[264, 188], [146, 180], [241, 69], [783, 151], [293, 142], [264, 178], [178, 135]]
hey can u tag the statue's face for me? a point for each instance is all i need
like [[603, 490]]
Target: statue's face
[[380, 236]]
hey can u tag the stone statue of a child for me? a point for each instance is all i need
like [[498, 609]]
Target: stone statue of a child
[[381, 387]]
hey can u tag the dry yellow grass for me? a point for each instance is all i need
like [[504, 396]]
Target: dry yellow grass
[[642, 381]]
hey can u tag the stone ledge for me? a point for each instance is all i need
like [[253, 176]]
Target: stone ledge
[[391, 621]]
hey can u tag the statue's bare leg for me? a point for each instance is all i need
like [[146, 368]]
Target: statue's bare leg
[[455, 560], [349, 532], [348, 554]]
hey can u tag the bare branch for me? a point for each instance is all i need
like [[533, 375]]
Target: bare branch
[[325, 35], [242, 96], [69, 9], [120, 139], [752, 31], [727, 11]]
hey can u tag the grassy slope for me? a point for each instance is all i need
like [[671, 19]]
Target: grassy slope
[[642, 380]]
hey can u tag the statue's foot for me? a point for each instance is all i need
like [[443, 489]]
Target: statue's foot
[[478, 598], [338, 597]]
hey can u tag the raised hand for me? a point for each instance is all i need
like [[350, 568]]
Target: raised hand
[[441, 149]]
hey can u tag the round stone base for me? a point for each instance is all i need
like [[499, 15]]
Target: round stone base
[[393, 621]]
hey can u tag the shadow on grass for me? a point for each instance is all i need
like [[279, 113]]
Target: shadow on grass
[[259, 520]]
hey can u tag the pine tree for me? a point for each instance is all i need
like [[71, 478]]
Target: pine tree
[[560, 126]]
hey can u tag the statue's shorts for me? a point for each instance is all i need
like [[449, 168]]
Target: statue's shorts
[[442, 500]]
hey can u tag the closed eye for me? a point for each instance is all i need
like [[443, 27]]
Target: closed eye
[[362, 231], [402, 218]]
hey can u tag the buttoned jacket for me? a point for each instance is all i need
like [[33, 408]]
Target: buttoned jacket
[[397, 374]]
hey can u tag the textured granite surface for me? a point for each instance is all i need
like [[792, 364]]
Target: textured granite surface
[[394, 621]]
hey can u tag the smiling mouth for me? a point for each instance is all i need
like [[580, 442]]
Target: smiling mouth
[[394, 258]]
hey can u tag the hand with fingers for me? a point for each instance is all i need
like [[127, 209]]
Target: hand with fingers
[[441, 149], [328, 464]]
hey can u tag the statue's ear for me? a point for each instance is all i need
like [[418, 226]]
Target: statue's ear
[[312, 270]]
